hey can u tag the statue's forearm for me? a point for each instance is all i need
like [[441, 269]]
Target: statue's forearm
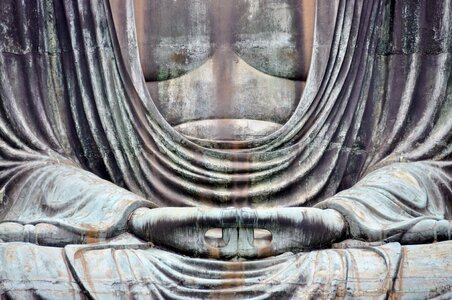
[[388, 203], [69, 198]]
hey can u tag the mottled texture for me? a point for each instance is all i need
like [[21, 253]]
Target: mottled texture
[[83, 145]]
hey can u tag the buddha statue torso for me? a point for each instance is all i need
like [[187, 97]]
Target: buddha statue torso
[[178, 148]]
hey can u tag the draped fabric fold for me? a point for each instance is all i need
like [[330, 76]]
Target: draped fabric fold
[[165, 275], [75, 113]]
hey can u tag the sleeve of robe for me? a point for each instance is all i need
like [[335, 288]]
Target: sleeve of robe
[[408, 167], [56, 67], [391, 200]]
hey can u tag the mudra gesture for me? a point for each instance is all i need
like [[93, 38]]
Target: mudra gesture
[[289, 149]]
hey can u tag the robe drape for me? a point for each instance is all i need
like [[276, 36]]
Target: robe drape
[[82, 143]]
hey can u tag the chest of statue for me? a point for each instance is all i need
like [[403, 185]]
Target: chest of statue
[[242, 64]]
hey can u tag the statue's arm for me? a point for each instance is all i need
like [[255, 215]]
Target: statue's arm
[[57, 203], [405, 202]]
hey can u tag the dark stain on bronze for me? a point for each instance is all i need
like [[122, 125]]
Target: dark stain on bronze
[[180, 57], [304, 16]]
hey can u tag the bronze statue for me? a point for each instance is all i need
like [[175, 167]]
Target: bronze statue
[[225, 149]]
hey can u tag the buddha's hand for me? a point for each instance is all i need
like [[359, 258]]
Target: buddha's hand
[[426, 231], [288, 229], [40, 234], [183, 229], [298, 229]]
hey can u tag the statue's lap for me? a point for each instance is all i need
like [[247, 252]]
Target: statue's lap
[[105, 271]]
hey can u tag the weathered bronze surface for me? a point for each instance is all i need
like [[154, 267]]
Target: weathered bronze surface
[[225, 149]]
